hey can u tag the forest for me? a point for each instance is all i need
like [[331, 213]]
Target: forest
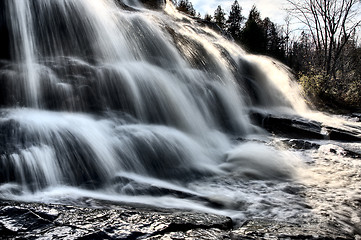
[[324, 55]]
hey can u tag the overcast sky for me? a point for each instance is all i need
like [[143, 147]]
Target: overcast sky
[[274, 9]]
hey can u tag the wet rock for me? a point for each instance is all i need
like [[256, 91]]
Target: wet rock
[[209, 234], [341, 135], [262, 229], [300, 144], [301, 128], [5, 49], [356, 117], [49, 221], [124, 6], [25, 220], [293, 127], [339, 150], [154, 4]]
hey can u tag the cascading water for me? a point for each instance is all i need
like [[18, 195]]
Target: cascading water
[[109, 100]]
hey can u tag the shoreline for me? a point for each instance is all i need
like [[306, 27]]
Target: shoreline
[[19, 220]]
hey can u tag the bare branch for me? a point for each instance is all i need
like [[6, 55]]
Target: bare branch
[[330, 23]]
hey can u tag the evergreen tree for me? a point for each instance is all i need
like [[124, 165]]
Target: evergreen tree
[[275, 42], [191, 10], [182, 5], [186, 7], [252, 35], [234, 21], [219, 17], [208, 17]]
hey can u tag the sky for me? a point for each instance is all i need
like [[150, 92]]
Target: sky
[[274, 9]]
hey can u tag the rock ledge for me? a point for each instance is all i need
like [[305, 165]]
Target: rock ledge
[[49, 221]]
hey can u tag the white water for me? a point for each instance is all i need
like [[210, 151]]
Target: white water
[[143, 107]]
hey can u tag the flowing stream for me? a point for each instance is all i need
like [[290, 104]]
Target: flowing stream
[[110, 100]]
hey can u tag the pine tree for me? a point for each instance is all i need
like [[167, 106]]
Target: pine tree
[[208, 17], [252, 35], [182, 6], [186, 7], [275, 42], [219, 17], [191, 10], [234, 20]]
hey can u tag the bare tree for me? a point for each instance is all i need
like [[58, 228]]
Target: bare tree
[[287, 33], [331, 24]]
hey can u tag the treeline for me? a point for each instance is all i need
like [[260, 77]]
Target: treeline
[[260, 36], [327, 66]]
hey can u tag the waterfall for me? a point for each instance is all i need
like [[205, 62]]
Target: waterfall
[[109, 98]]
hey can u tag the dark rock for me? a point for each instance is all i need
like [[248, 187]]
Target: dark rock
[[265, 229], [300, 144], [357, 115], [30, 220], [341, 135], [352, 154], [34, 220], [124, 6], [301, 128], [293, 127], [154, 4], [5, 47], [340, 150]]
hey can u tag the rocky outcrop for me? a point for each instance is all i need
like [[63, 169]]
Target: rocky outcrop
[[26, 221], [33, 220], [301, 128], [287, 126], [261, 229]]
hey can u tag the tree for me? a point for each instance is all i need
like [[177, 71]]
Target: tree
[[234, 20], [208, 17], [275, 41], [186, 7], [331, 24], [219, 17], [301, 54], [287, 36], [191, 9], [182, 6], [252, 35]]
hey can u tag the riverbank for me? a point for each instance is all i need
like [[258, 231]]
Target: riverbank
[[51, 221]]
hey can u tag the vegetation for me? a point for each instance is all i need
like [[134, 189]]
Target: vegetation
[[186, 7], [220, 17], [235, 20], [325, 56], [329, 49]]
